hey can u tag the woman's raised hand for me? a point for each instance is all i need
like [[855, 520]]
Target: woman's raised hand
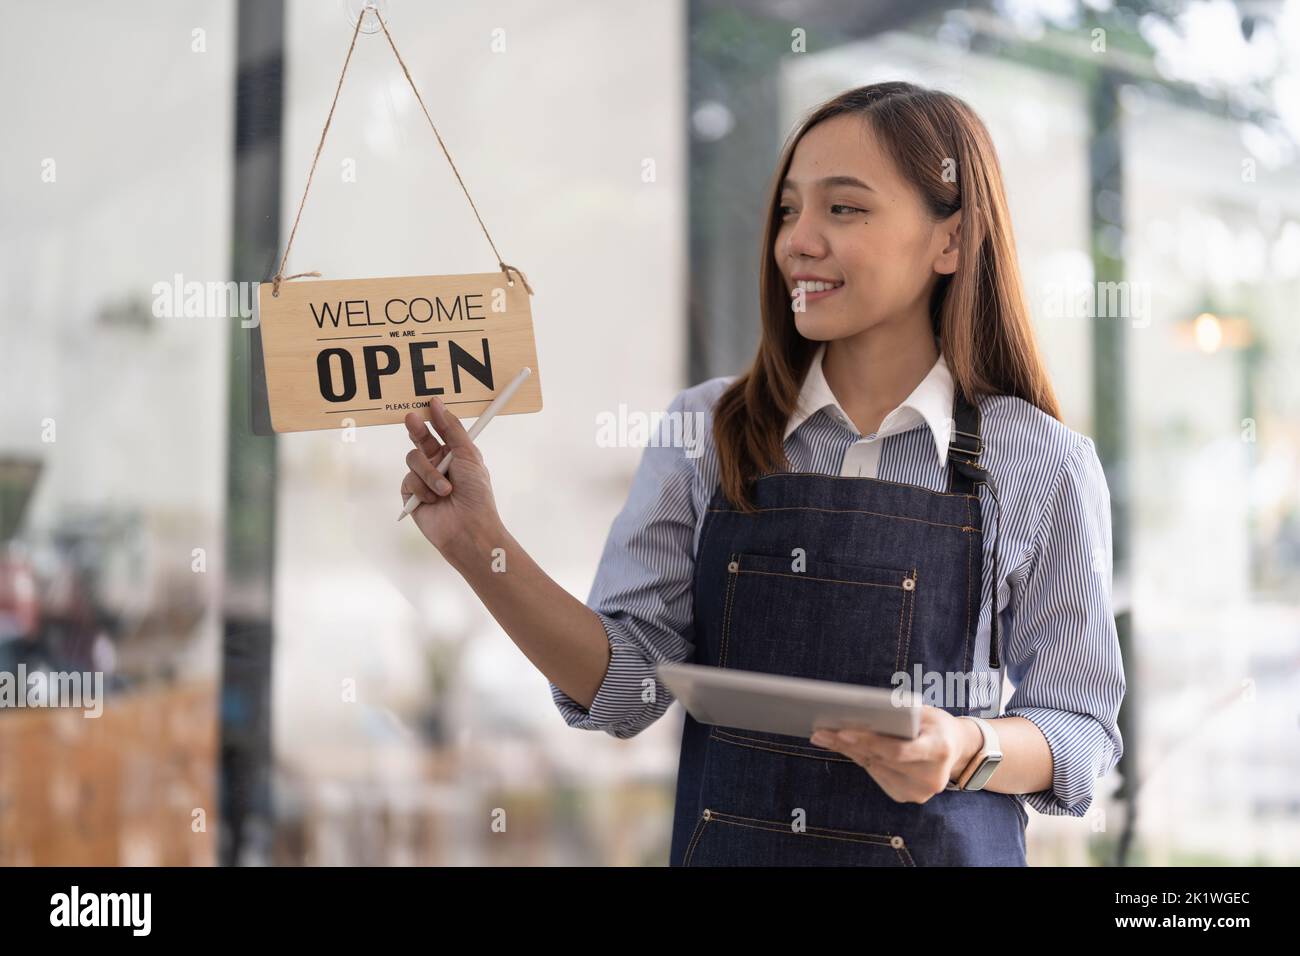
[[458, 508]]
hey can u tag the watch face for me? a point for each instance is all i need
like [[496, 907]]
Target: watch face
[[981, 776]]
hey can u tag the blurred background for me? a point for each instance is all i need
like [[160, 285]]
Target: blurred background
[[292, 679]]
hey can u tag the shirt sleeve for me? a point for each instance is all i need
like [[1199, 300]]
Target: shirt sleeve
[[1064, 656], [642, 592]]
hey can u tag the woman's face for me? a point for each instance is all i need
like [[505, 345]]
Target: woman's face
[[872, 237]]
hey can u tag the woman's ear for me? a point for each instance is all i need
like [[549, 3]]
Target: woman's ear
[[949, 233]]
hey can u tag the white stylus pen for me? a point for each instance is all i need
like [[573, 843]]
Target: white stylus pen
[[480, 423]]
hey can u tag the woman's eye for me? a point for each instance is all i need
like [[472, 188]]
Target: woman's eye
[[786, 211]]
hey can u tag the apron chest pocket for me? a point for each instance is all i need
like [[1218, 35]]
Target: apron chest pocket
[[827, 620]]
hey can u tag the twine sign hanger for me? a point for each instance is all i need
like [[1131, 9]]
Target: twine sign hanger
[[368, 351]]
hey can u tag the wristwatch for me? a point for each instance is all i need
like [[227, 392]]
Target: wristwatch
[[982, 765]]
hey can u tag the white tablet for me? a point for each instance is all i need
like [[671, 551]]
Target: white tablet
[[789, 705]]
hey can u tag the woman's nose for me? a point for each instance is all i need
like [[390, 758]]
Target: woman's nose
[[805, 239]]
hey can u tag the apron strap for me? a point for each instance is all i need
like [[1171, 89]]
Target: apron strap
[[964, 448], [964, 445]]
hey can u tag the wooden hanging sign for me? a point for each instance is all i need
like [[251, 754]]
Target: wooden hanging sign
[[372, 350], [369, 351]]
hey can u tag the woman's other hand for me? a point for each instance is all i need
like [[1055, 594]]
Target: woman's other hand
[[910, 771]]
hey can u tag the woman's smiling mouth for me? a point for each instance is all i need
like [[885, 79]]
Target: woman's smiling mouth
[[814, 289]]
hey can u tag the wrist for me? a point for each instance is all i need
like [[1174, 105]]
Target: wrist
[[971, 741], [472, 550]]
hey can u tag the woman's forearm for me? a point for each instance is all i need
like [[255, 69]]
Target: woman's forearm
[[563, 637]]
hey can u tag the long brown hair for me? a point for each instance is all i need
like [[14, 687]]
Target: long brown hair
[[978, 313]]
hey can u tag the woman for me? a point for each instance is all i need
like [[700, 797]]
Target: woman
[[892, 463]]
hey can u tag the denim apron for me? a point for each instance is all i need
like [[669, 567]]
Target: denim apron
[[891, 579]]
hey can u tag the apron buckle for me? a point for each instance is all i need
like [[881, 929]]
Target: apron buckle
[[973, 453]]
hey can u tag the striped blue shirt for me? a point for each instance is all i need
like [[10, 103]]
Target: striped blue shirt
[[1060, 649]]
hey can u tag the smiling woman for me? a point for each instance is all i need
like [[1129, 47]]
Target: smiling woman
[[891, 299], [886, 484]]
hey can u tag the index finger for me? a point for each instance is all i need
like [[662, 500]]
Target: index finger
[[420, 435], [449, 428], [884, 746]]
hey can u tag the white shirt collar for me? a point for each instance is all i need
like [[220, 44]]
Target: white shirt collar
[[930, 402]]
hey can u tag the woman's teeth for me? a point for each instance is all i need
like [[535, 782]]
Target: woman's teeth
[[810, 286]]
